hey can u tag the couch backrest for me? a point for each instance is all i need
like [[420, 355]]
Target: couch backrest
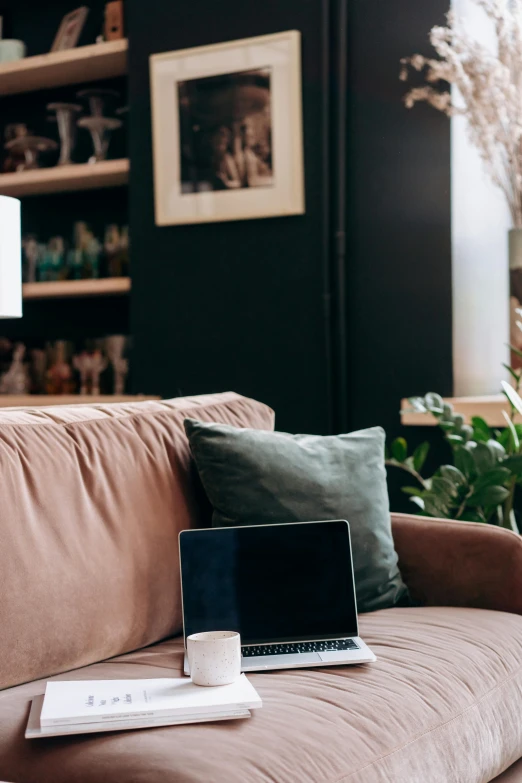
[[92, 499]]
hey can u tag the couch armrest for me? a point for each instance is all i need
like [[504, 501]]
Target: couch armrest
[[449, 563]]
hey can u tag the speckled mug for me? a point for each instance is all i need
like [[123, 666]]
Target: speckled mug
[[214, 657]]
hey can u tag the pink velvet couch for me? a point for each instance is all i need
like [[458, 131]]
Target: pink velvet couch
[[91, 503]]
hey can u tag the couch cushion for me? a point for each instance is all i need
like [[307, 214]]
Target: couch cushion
[[441, 705], [260, 478], [92, 499]]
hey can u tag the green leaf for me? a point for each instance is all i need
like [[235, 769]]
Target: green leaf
[[481, 431], [512, 396], [511, 371], [515, 351], [419, 455], [472, 516], [446, 425], [458, 421], [417, 404], [399, 449], [435, 506], [453, 474], [444, 488], [418, 502], [455, 438], [411, 490], [497, 476], [514, 464], [497, 449], [434, 403], [464, 462], [447, 412], [488, 496], [513, 434], [483, 458], [466, 432], [504, 437]]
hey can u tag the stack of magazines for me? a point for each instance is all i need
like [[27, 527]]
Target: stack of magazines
[[88, 706]]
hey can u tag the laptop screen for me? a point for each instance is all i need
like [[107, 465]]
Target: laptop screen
[[290, 582]]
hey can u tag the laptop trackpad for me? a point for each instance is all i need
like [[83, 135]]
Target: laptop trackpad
[[335, 655], [280, 660]]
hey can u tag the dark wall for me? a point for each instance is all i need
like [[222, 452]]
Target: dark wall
[[230, 305], [399, 244]]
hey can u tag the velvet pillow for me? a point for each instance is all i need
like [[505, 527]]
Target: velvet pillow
[[254, 478]]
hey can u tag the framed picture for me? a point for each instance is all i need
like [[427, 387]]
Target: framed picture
[[227, 131], [70, 29]]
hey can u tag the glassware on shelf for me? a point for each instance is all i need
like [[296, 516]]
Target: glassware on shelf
[[30, 147], [66, 119], [13, 131], [90, 365], [115, 347], [99, 99], [16, 379], [59, 377], [100, 129]]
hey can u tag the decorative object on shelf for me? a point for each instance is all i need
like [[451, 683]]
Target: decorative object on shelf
[[90, 365], [487, 82], [100, 99], [59, 376], [70, 29], [32, 253], [66, 119], [37, 371], [113, 28], [115, 348], [116, 249], [52, 262], [30, 147], [100, 129], [10, 258], [16, 379], [10, 49], [228, 139], [13, 160], [83, 260]]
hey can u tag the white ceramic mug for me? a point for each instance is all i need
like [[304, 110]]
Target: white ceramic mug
[[214, 657]]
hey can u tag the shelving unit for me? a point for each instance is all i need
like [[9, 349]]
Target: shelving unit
[[61, 179], [33, 400], [109, 286], [488, 408], [72, 66]]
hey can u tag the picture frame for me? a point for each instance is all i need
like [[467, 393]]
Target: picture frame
[[70, 29], [227, 131]]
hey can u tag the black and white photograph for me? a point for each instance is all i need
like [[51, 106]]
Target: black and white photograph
[[226, 132]]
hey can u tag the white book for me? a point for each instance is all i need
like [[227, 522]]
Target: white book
[[94, 701], [34, 729]]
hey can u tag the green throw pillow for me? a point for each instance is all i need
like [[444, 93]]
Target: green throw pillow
[[254, 477]]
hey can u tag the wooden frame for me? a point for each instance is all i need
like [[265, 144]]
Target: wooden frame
[[281, 190]]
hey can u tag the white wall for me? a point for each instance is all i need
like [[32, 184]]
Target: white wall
[[480, 221]]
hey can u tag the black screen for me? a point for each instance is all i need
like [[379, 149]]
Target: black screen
[[289, 582]]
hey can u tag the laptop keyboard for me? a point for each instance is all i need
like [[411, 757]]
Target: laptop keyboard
[[298, 647]]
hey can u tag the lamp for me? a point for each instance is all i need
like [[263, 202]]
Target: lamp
[[10, 258]]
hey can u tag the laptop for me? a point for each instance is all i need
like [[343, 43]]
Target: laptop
[[288, 589]]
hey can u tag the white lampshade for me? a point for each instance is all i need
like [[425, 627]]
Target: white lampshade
[[10, 258]]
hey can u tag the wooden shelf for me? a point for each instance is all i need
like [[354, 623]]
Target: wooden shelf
[[60, 179], [44, 400], [489, 408], [108, 286], [72, 66]]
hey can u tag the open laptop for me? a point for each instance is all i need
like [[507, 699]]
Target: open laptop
[[288, 589]]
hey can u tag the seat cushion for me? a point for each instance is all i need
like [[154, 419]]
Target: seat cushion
[[441, 705], [92, 499], [262, 478]]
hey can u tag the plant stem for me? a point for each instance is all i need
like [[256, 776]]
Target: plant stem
[[508, 503], [462, 506], [411, 471]]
